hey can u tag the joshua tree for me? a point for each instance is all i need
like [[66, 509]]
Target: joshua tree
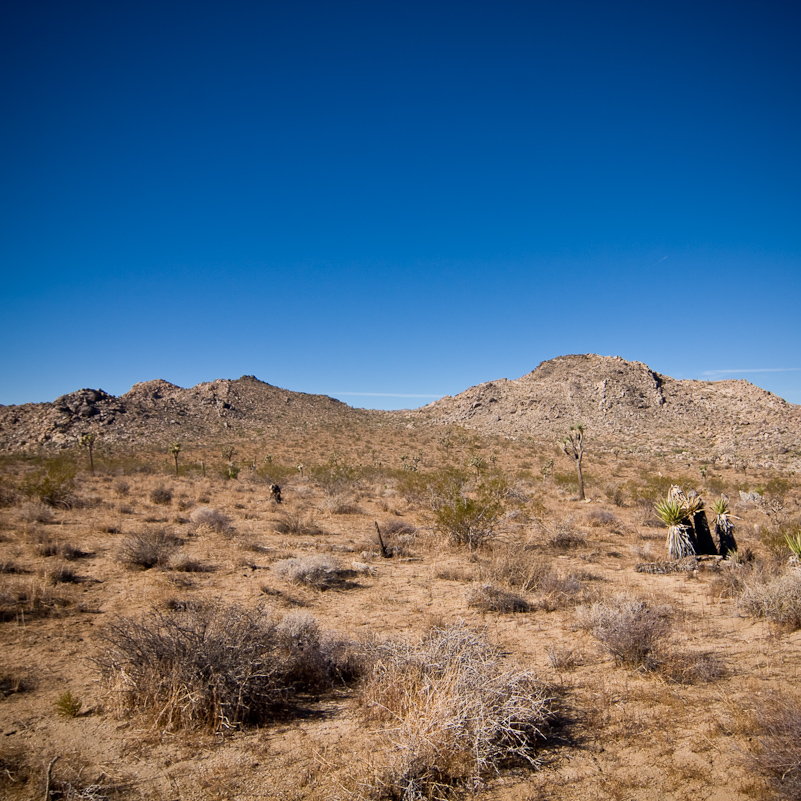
[[88, 441], [724, 528], [175, 449], [573, 446]]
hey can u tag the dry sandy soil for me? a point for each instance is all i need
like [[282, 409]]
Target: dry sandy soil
[[690, 717]]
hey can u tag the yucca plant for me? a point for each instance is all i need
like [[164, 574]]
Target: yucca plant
[[724, 528], [793, 540], [673, 513]]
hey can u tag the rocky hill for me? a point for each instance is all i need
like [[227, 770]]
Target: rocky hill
[[157, 412], [624, 406]]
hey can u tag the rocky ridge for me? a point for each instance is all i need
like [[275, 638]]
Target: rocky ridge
[[158, 412], [625, 407]]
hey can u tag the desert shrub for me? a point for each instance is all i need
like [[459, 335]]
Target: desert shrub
[[8, 495], [122, 487], [297, 524], [603, 518], [469, 518], [517, 568], [68, 705], [9, 566], [146, 549], [21, 600], [455, 713], [689, 667], [629, 629], [214, 668], [775, 598], [14, 682], [776, 749], [63, 574], [489, 598], [399, 536], [321, 571], [161, 496], [186, 564], [212, 519], [563, 658], [36, 512], [54, 484], [565, 537]]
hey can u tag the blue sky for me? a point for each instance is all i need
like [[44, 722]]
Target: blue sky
[[390, 201]]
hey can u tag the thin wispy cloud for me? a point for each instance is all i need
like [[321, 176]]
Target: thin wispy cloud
[[386, 395], [752, 370]]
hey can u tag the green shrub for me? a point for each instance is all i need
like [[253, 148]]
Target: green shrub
[[54, 484]]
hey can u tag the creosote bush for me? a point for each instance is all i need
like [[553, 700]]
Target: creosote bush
[[216, 668], [451, 713]]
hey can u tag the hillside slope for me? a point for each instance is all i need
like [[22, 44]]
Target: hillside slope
[[626, 405]]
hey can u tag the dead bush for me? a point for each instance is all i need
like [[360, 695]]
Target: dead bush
[[12, 682], [452, 712], [321, 571], [299, 525], [146, 549], [186, 564], [565, 537], [629, 629], [690, 667], [161, 496], [602, 518], [776, 750], [489, 598], [36, 512], [213, 668], [204, 517], [775, 598], [399, 537]]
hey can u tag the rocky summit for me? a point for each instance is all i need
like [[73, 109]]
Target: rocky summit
[[627, 406], [624, 406]]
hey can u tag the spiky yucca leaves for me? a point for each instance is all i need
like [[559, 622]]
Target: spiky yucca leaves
[[793, 541], [724, 528], [673, 513]]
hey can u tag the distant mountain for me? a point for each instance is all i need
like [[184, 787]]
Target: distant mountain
[[627, 406], [624, 406], [157, 412]]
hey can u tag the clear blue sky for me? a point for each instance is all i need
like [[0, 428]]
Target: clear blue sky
[[396, 198]]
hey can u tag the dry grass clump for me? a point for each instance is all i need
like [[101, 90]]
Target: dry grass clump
[[297, 524], [566, 537], [214, 668], [517, 568], [321, 571], [776, 598], [603, 518], [187, 564], [12, 682], [629, 629], [146, 549], [690, 667], [36, 512], [161, 496], [489, 598], [204, 517], [776, 750], [451, 714], [21, 600]]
